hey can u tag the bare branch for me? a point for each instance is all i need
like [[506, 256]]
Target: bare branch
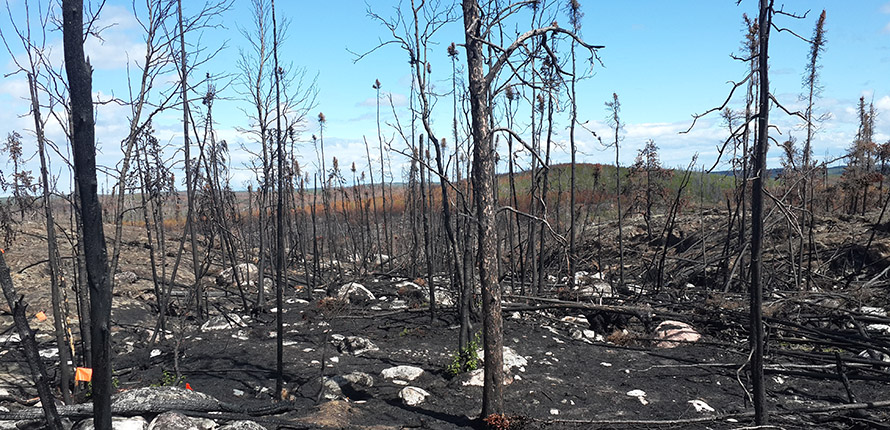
[[735, 86]]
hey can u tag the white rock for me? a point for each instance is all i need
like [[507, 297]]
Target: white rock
[[408, 373], [476, 379], [398, 304], [178, 421], [380, 259], [223, 322], [640, 395], [11, 338], [399, 382], [247, 274], [355, 293], [554, 411], [413, 396], [577, 319], [511, 359], [879, 327], [670, 332], [873, 310], [154, 353], [700, 406], [124, 278], [333, 385], [117, 423], [49, 353], [242, 425], [354, 345]]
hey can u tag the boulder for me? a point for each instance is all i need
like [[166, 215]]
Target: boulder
[[223, 322], [354, 293], [380, 259], [511, 359], [413, 396], [670, 333], [588, 336], [416, 294], [594, 290], [476, 378], [444, 298], [353, 345], [247, 274], [700, 406], [640, 395], [334, 385], [117, 423], [124, 278], [177, 421], [405, 373], [242, 425]]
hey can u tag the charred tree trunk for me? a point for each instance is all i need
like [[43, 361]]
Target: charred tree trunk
[[279, 225], [483, 196], [189, 173], [29, 347], [756, 291], [57, 280], [84, 148]]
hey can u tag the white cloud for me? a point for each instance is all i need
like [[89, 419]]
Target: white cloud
[[883, 104], [16, 86], [398, 99]]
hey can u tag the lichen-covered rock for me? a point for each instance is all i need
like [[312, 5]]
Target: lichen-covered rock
[[223, 322], [124, 278], [333, 386], [177, 421], [406, 373], [416, 294], [476, 378], [117, 423], [354, 293], [247, 274], [242, 425], [353, 345], [413, 396], [511, 359]]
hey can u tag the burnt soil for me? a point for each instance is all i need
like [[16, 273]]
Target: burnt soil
[[566, 383]]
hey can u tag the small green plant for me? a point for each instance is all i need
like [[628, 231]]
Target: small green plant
[[169, 379], [467, 355], [404, 332]]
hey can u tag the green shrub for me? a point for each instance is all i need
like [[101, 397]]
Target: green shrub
[[468, 356]]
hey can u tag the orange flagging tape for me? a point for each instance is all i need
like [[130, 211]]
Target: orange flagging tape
[[188, 387], [83, 374], [41, 316]]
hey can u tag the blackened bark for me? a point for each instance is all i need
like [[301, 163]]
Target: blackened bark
[[189, 173], [84, 149], [57, 281], [29, 347], [483, 195], [279, 225], [760, 144]]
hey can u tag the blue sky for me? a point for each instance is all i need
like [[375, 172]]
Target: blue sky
[[665, 59]]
